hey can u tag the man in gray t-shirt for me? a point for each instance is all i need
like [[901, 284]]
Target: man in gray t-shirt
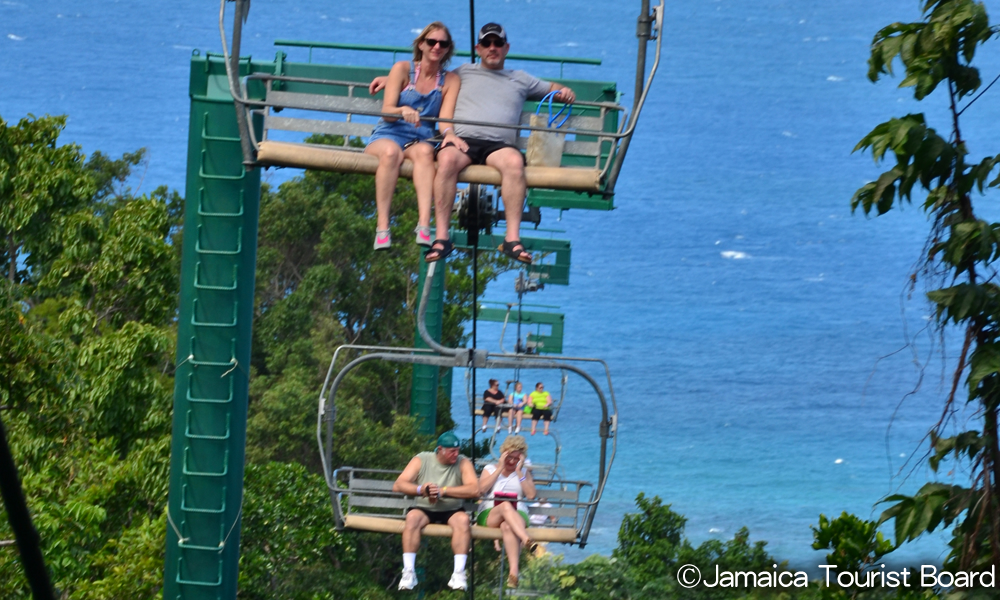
[[489, 93], [493, 94]]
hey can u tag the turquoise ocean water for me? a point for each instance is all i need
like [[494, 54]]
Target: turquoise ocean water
[[756, 330]]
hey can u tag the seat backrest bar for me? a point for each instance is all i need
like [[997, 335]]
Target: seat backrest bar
[[344, 104]]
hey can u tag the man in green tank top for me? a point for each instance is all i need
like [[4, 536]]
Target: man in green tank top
[[440, 481]]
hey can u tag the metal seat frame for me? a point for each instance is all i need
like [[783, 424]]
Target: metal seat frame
[[363, 499]]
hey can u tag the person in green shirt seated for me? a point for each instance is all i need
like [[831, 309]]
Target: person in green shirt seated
[[440, 480], [541, 407]]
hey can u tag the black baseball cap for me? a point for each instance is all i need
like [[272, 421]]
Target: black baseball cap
[[493, 29]]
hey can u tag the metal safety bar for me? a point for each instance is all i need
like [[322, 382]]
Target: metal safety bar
[[600, 134], [561, 60]]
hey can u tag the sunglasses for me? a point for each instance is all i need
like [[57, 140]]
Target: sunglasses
[[494, 41], [431, 42]]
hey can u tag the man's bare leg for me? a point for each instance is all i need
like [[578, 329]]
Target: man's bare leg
[[416, 520], [513, 187], [461, 532], [450, 161]]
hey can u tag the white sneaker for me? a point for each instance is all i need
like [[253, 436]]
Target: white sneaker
[[457, 581], [409, 580], [510, 429], [483, 429], [383, 239]]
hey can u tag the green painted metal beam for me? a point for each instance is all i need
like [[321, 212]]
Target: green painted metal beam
[[549, 344], [213, 349], [565, 200], [554, 273]]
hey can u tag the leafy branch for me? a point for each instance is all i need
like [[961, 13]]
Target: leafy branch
[[937, 55]]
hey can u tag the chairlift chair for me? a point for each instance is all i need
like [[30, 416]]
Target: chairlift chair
[[363, 499], [594, 152], [541, 470]]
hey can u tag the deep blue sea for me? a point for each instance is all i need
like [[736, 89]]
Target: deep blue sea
[[756, 330]]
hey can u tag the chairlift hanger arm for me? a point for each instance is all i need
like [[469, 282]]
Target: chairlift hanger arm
[[242, 9], [640, 100]]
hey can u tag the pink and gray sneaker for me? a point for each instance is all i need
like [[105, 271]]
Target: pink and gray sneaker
[[423, 236]]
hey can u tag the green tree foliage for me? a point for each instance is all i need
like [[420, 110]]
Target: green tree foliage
[[650, 540], [290, 548], [651, 549], [855, 544], [937, 54], [40, 184], [87, 343]]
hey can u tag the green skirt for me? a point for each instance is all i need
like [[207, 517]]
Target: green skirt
[[481, 517]]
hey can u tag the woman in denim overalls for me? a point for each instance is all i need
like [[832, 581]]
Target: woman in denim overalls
[[420, 89]]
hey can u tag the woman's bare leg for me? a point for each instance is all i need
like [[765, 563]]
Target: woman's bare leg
[[424, 169], [390, 157], [513, 547], [506, 513]]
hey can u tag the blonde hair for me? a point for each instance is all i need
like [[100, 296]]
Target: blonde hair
[[514, 443], [418, 54]]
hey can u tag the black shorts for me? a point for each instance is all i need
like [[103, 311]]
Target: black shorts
[[437, 517], [480, 149], [541, 413], [491, 409]]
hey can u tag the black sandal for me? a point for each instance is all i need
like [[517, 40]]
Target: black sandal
[[510, 249], [440, 249]]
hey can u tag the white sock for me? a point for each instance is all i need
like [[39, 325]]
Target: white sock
[[460, 562], [410, 560]]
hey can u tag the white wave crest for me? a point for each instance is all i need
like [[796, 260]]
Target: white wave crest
[[734, 254]]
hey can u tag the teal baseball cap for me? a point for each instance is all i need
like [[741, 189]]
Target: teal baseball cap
[[448, 440]]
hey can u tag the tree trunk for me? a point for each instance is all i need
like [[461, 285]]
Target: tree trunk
[[12, 252]]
